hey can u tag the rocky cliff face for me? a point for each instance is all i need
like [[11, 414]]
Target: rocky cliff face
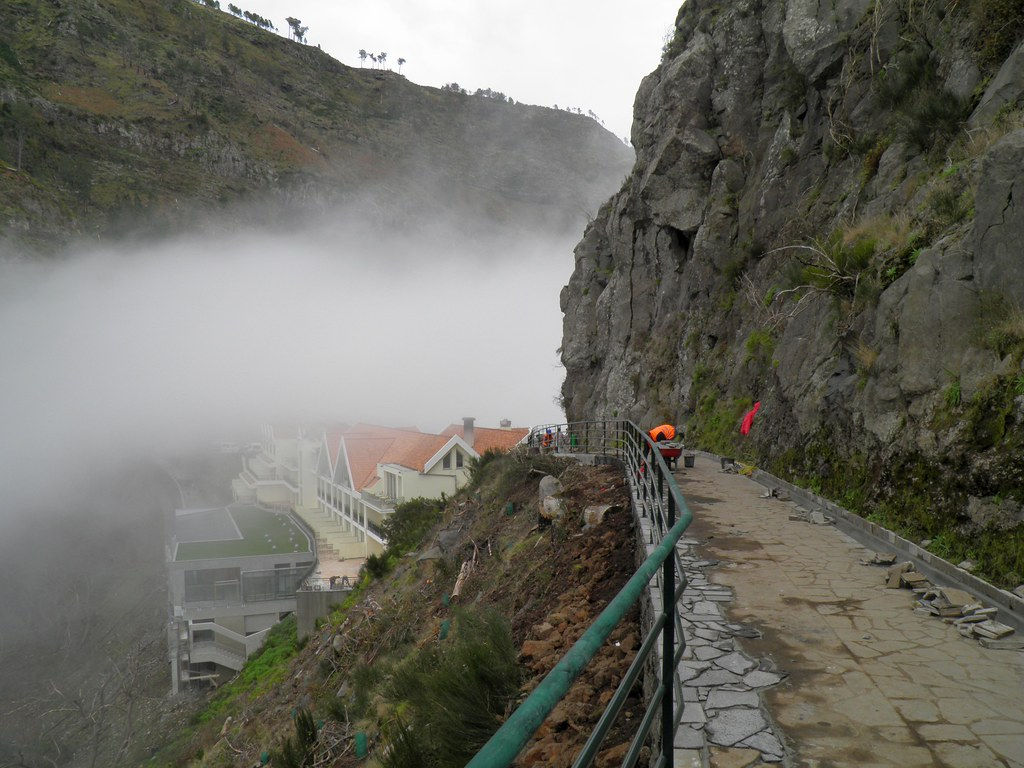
[[825, 215]]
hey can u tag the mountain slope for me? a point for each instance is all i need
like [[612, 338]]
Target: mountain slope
[[166, 111], [823, 217], [409, 661]]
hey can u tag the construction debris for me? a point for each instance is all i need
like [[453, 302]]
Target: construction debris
[[992, 629], [775, 493], [879, 559], [815, 516], [954, 606], [894, 575], [913, 579], [1004, 644]]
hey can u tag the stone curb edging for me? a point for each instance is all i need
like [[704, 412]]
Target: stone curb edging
[[874, 536]]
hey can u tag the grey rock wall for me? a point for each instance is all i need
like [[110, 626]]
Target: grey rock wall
[[764, 130]]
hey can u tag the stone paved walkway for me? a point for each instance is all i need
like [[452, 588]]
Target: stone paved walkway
[[870, 683]]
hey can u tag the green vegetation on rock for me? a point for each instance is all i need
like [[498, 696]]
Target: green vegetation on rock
[[403, 531], [447, 699]]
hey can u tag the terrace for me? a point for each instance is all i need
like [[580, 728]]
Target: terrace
[[236, 531]]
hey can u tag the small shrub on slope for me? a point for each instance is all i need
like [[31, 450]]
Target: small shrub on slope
[[451, 697]]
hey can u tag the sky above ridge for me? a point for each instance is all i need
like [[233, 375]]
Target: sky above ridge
[[590, 55]]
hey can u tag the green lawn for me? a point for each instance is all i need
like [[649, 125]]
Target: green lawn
[[263, 533]]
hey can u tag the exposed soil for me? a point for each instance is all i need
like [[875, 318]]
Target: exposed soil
[[549, 581]]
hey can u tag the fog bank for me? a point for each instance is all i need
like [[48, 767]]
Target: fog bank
[[113, 352]]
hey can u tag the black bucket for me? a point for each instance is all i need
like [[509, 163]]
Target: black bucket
[[688, 459]]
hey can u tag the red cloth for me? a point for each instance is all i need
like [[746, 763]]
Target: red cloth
[[748, 420]]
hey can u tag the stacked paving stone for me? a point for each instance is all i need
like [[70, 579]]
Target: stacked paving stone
[[953, 606], [720, 683]]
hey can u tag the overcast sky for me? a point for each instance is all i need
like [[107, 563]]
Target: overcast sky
[[571, 53]]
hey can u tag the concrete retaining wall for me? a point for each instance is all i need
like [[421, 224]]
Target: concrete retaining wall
[[314, 604]]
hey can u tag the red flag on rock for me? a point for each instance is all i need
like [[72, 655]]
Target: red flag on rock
[[748, 420]]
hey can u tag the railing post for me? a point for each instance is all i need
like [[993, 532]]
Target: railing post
[[668, 603]]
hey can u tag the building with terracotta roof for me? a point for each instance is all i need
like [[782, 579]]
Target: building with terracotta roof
[[484, 439], [366, 470]]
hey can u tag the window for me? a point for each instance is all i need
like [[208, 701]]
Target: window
[[202, 635], [446, 462], [211, 584], [458, 459]]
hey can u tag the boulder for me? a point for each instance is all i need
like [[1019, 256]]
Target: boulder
[[999, 222], [815, 33], [434, 553], [594, 515], [1005, 88], [551, 508], [448, 540]]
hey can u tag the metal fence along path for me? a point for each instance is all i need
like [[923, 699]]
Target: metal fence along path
[[662, 516]]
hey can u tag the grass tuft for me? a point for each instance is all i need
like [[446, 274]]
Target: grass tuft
[[446, 700]]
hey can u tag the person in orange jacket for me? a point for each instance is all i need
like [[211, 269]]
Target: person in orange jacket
[[663, 432]]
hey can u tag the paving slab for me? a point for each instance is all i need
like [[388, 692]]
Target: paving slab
[[731, 726], [862, 680]]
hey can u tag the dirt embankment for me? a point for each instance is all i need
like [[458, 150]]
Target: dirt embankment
[[548, 582]]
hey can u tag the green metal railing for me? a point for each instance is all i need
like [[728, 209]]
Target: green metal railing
[[663, 515]]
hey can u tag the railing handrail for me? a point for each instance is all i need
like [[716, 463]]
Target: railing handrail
[[515, 733]]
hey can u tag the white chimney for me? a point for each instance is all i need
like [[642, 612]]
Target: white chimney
[[505, 423], [468, 433]]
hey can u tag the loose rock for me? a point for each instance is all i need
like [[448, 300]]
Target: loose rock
[[594, 516]]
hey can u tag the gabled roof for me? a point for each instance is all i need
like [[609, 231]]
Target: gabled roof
[[490, 439], [332, 437], [368, 445], [446, 447], [413, 450], [364, 453]]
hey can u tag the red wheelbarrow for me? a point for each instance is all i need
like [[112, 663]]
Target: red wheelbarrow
[[671, 452]]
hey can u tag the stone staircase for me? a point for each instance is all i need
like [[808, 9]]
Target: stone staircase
[[217, 653], [331, 539]]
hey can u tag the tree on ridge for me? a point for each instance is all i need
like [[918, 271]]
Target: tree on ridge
[[297, 30]]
